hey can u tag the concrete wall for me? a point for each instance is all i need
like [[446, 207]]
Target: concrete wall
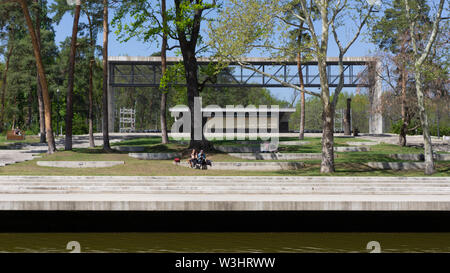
[[375, 114]]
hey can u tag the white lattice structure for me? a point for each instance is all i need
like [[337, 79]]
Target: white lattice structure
[[127, 120]]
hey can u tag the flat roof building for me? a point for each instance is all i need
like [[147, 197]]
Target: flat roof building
[[244, 118]]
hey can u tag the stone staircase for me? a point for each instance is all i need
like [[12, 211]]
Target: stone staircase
[[226, 185], [208, 193]]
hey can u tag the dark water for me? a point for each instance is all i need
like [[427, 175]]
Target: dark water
[[224, 242]]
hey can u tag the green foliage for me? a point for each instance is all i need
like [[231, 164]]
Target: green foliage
[[174, 73], [444, 130], [81, 87], [313, 112], [389, 30]]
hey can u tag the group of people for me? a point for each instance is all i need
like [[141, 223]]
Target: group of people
[[17, 132], [198, 160]]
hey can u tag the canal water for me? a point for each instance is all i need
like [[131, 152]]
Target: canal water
[[210, 242]]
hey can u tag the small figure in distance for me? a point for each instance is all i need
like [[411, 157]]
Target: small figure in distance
[[17, 132], [193, 159], [201, 159]]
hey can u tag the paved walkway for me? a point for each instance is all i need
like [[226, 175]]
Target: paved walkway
[[225, 193]]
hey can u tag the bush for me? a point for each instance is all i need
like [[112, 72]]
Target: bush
[[443, 129]]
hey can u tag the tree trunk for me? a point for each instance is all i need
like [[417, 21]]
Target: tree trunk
[[91, 86], [190, 63], [40, 98], [327, 165], [30, 110], [405, 119], [42, 130], [90, 95], [4, 84], [429, 162], [302, 97], [42, 77], [105, 128], [164, 136], [71, 79], [419, 60], [438, 117], [347, 118]]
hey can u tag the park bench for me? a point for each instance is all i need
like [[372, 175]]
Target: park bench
[[10, 135]]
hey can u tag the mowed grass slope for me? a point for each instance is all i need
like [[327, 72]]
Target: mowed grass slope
[[354, 164]]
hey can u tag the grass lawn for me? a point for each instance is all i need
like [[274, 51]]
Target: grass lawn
[[353, 164]]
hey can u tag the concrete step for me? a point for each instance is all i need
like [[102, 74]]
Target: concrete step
[[188, 185], [209, 192], [420, 157], [278, 156], [209, 179], [242, 189], [398, 166], [194, 182], [352, 149], [362, 143], [79, 164]]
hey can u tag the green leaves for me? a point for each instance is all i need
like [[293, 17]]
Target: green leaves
[[174, 73]]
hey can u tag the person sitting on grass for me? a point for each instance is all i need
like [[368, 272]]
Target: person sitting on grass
[[17, 132], [202, 161], [193, 160]]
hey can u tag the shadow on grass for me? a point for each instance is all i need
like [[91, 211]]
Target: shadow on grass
[[96, 151], [139, 141]]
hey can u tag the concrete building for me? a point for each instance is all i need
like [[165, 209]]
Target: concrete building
[[246, 118]]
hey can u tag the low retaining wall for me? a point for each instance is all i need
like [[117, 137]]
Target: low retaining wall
[[154, 156], [263, 147], [420, 157], [79, 164], [129, 148], [238, 149], [351, 149], [294, 143], [362, 143], [399, 166], [252, 166], [277, 156]]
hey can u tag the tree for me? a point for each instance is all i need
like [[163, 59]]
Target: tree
[[419, 59], [93, 11], [391, 34], [62, 6], [105, 128], [38, 84], [183, 25], [10, 50], [163, 112], [42, 77], [253, 24], [301, 42], [69, 105]]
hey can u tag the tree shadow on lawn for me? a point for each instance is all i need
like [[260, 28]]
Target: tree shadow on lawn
[[307, 149], [139, 142], [161, 148]]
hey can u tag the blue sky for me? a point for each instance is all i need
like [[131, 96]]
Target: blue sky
[[138, 48]]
